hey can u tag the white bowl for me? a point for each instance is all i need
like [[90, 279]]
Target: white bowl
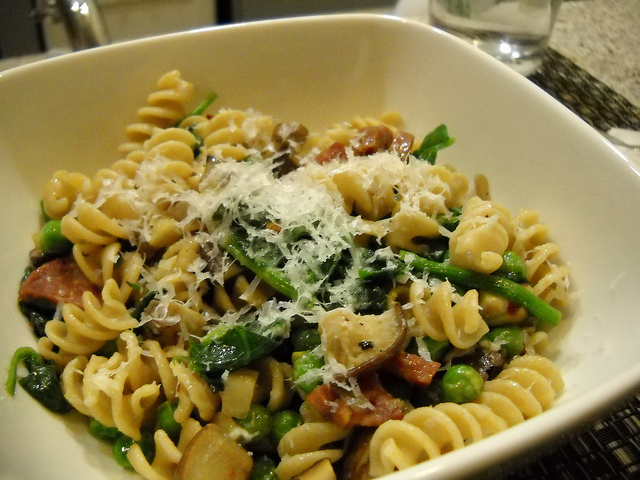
[[70, 113]]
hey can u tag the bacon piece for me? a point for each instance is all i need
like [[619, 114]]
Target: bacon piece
[[413, 368], [332, 152], [57, 281], [333, 404], [373, 139], [326, 400], [403, 144]]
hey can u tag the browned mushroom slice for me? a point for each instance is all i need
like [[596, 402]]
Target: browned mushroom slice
[[286, 134], [362, 342], [356, 462], [211, 454]]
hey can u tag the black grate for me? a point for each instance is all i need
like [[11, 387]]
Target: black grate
[[586, 96], [610, 450]]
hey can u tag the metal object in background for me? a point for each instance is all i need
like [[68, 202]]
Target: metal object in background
[[83, 21]]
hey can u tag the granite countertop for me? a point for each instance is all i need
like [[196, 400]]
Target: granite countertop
[[603, 38]]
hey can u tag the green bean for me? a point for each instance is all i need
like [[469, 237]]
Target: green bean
[[510, 337], [202, 106], [258, 422], [490, 283], [272, 275], [437, 349], [513, 267], [102, 432], [51, 240], [166, 420], [461, 384], [283, 422]]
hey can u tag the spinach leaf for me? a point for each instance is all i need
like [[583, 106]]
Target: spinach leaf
[[435, 140], [42, 381], [229, 349]]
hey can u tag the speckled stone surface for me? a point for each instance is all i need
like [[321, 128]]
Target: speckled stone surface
[[603, 38]]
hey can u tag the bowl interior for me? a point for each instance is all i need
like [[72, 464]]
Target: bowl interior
[[70, 113]]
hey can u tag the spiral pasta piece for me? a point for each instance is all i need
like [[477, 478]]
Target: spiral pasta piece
[[89, 228], [165, 107], [409, 227], [84, 330], [302, 447], [234, 134], [382, 184], [239, 288], [119, 391], [193, 394], [60, 193], [525, 387], [274, 384], [549, 280], [482, 236], [167, 453], [440, 319], [109, 262], [428, 432]]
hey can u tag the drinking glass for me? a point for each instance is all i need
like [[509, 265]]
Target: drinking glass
[[514, 31]]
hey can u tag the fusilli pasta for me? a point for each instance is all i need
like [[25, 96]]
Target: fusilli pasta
[[260, 283]]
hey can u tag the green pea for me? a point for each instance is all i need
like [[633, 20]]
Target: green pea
[[166, 420], [123, 444], [51, 240], [305, 339], [461, 384], [513, 267], [283, 421], [102, 432], [510, 337], [303, 363], [263, 469], [258, 422]]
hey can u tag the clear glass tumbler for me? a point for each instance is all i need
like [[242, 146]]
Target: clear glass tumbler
[[514, 31]]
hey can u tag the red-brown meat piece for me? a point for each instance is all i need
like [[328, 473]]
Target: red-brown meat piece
[[329, 402], [58, 281], [372, 140]]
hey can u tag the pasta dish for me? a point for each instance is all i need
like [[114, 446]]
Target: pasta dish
[[241, 298]]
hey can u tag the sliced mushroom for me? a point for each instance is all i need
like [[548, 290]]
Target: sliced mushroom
[[362, 342], [356, 462], [286, 135], [211, 454]]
